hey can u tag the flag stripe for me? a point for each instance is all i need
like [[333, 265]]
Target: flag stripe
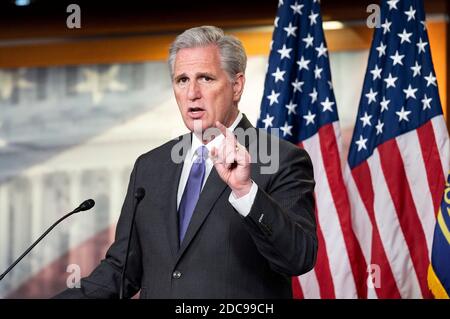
[[297, 292], [325, 205], [395, 177], [391, 233], [442, 142], [436, 177], [362, 177], [409, 146], [325, 280], [310, 285], [332, 165], [361, 222]]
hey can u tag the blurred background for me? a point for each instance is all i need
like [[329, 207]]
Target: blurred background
[[78, 106]]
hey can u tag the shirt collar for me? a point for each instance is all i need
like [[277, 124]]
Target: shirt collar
[[196, 142]]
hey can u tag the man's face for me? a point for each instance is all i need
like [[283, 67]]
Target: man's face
[[203, 89]]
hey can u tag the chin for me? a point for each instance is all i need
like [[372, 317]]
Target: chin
[[204, 125]]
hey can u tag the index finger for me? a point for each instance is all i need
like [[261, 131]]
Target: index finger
[[229, 136]]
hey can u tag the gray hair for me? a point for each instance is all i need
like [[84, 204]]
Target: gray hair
[[232, 53]]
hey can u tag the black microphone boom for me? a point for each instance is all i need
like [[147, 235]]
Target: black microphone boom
[[138, 196], [86, 205]]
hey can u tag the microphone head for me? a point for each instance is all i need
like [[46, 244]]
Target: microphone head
[[139, 194], [86, 205]]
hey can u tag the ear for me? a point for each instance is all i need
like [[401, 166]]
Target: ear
[[238, 86]]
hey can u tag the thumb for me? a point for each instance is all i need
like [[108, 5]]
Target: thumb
[[215, 157]]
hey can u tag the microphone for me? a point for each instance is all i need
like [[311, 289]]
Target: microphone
[[86, 205], [138, 196]]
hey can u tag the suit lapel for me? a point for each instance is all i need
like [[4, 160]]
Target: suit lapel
[[211, 192]]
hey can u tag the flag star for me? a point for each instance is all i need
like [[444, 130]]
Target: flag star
[[327, 105], [268, 121], [381, 49], [384, 104], [416, 69], [291, 107], [313, 96], [361, 143], [273, 97], [331, 85], [390, 81], [392, 4], [403, 115], [278, 75], [9, 82], [397, 58], [322, 50], [317, 72], [424, 25], [410, 92], [284, 52], [271, 44], [426, 102], [276, 21], [280, 3], [308, 40], [286, 129], [376, 72], [421, 45], [404, 36], [371, 96], [379, 127], [297, 8], [386, 26], [366, 119], [431, 79], [312, 17], [411, 13], [309, 118], [297, 85], [303, 64], [98, 83], [290, 30]]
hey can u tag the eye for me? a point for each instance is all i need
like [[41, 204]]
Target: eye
[[206, 78], [182, 80]]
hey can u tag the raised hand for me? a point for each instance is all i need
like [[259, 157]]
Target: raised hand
[[232, 162]]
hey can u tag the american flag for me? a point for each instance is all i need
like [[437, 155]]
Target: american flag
[[399, 155], [299, 100]]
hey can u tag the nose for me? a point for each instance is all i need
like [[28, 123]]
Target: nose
[[193, 91]]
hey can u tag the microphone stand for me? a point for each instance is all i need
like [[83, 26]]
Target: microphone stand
[[87, 204], [138, 195]]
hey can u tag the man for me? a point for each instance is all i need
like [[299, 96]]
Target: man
[[212, 225]]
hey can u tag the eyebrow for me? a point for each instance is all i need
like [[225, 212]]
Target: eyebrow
[[201, 74], [198, 75], [182, 75]]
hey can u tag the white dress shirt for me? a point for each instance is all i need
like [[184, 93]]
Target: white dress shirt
[[242, 204]]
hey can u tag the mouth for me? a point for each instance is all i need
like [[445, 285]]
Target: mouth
[[196, 112]]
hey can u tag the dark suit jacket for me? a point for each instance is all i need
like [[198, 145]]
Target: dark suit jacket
[[223, 255]]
